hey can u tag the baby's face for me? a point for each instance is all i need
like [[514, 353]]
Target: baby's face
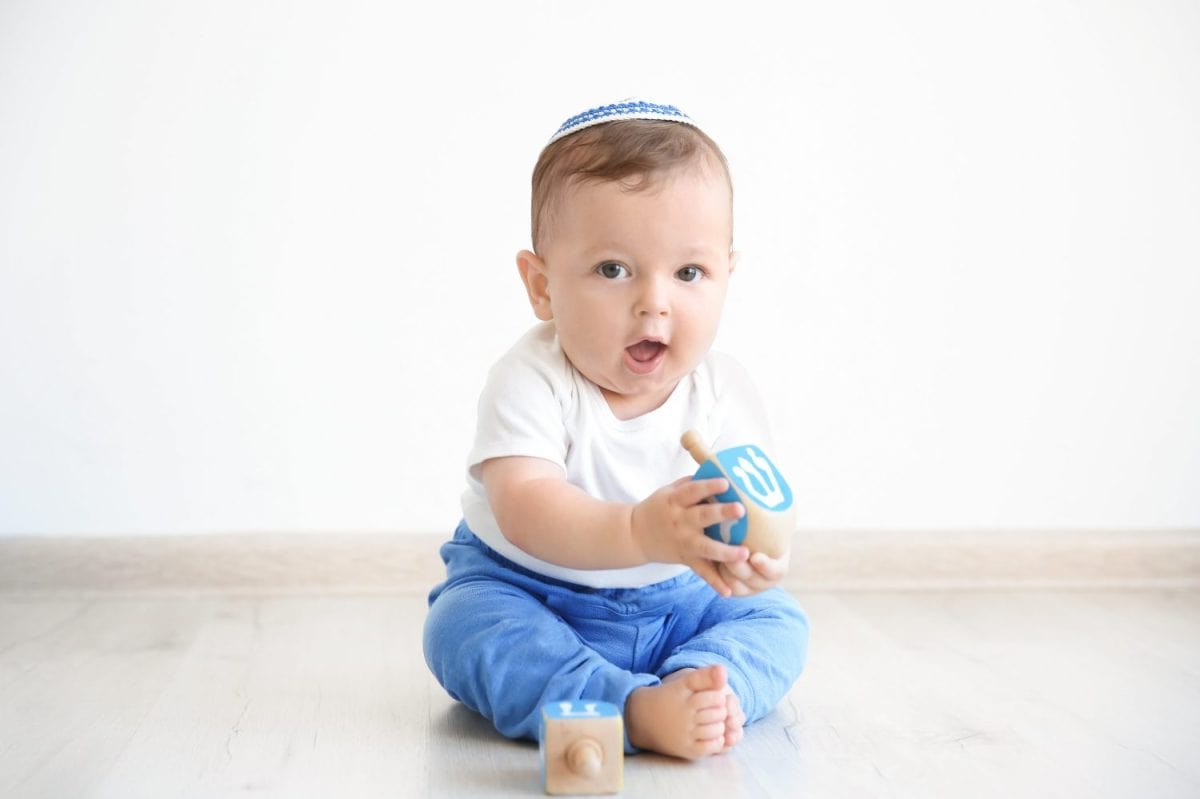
[[637, 280]]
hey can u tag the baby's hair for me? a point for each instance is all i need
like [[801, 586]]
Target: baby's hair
[[633, 152]]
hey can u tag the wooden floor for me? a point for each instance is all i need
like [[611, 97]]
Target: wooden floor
[[923, 694]]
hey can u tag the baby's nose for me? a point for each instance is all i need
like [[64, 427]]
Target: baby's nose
[[653, 299]]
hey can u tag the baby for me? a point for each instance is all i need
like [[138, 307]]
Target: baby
[[581, 569]]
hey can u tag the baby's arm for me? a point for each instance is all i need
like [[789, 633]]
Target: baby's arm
[[551, 519]]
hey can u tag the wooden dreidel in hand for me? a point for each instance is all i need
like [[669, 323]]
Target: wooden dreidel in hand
[[755, 482], [582, 747]]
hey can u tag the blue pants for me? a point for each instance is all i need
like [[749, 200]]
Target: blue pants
[[503, 640]]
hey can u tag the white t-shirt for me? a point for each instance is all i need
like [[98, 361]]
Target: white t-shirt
[[535, 404]]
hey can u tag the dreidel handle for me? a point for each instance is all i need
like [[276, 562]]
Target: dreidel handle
[[585, 757], [696, 447]]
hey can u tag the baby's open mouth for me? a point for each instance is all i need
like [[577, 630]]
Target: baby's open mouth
[[646, 350], [644, 356]]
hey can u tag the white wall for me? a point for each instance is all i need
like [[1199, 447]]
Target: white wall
[[255, 257]]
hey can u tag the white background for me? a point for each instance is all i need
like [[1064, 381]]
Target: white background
[[255, 258]]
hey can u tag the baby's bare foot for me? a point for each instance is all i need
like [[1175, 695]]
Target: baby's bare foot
[[735, 720], [684, 716]]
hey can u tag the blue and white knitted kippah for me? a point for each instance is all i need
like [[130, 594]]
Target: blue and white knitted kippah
[[626, 109]]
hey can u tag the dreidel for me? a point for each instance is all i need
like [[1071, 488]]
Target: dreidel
[[582, 747], [755, 482]]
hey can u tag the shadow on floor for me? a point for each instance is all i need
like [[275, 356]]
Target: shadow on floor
[[482, 761]]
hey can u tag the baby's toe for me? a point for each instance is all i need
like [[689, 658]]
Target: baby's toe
[[735, 721], [709, 678]]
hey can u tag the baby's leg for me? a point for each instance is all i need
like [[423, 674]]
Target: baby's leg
[[498, 650], [762, 640], [684, 716]]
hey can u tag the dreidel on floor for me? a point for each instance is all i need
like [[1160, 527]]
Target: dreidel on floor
[[582, 747], [755, 482]]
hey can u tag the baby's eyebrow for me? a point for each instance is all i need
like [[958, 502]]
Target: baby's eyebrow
[[614, 251], [701, 251], [605, 250]]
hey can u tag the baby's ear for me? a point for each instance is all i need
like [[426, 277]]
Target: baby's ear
[[537, 283], [734, 258]]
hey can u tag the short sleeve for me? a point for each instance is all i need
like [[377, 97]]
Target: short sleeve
[[520, 409], [739, 415]]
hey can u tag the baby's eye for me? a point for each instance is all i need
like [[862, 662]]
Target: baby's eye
[[612, 270], [690, 274]]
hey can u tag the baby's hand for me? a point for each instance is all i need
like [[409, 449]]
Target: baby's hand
[[754, 575], [669, 525]]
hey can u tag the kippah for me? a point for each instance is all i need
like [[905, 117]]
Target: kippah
[[626, 109]]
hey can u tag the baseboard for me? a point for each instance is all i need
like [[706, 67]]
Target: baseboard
[[402, 563], [998, 559]]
